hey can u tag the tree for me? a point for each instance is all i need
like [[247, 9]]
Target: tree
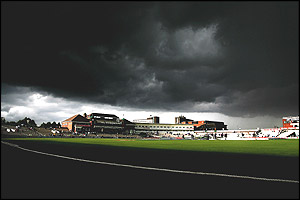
[[12, 123], [27, 122], [43, 125], [48, 125], [54, 125], [3, 121], [32, 123]]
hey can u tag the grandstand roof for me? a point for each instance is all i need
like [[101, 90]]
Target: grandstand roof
[[103, 115], [77, 118]]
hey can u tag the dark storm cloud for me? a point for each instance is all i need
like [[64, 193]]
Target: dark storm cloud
[[237, 58]]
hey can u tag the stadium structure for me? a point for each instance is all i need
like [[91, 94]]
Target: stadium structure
[[183, 128]]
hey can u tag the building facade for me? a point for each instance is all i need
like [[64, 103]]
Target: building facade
[[290, 122], [105, 123], [127, 127], [156, 129], [77, 124], [180, 119], [201, 125], [111, 124], [150, 119]]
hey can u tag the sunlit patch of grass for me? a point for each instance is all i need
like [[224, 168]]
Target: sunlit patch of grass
[[264, 147]]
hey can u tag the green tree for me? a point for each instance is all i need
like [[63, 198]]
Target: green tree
[[32, 123], [27, 122], [54, 125], [12, 123], [3, 121], [43, 125], [48, 125]]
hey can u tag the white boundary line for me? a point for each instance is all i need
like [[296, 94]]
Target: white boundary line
[[152, 168]]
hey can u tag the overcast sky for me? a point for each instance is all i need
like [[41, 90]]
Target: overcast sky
[[236, 62]]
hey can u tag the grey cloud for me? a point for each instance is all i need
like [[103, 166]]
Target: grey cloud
[[235, 58], [185, 48], [5, 108], [190, 43], [272, 101]]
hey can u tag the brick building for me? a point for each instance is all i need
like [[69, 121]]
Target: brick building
[[77, 124], [201, 125]]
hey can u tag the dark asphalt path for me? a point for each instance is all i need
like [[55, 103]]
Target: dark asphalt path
[[29, 175]]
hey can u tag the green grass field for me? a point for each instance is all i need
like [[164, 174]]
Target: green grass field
[[264, 147]]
